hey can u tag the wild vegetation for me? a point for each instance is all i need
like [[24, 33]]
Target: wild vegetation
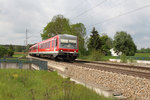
[[97, 42], [6, 52], [124, 43], [144, 50], [17, 48], [17, 84], [61, 25]]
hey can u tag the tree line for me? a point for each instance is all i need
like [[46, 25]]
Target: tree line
[[144, 50], [6, 51], [96, 42], [122, 42], [61, 25]]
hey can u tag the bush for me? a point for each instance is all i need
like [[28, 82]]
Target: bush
[[3, 51], [123, 58], [96, 55], [131, 60], [10, 52]]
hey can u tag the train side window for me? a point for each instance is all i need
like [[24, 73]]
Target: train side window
[[56, 42], [49, 44], [52, 44], [44, 45]]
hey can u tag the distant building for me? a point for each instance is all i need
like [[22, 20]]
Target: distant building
[[113, 53]]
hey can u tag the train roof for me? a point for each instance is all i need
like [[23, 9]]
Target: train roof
[[61, 35], [67, 35]]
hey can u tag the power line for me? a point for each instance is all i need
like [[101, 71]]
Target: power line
[[126, 13], [89, 9]]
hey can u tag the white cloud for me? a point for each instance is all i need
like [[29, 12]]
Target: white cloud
[[146, 38], [17, 15]]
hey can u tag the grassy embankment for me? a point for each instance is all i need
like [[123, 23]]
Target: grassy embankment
[[90, 58], [16, 84], [106, 58]]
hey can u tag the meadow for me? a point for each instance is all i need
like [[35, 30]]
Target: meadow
[[138, 56], [17, 84], [142, 55]]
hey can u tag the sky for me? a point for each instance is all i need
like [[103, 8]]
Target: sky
[[107, 16]]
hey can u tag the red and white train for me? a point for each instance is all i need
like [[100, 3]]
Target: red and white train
[[60, 46]]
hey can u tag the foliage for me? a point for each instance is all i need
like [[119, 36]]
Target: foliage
[[60, 25], [102, 43], [94, 41], [96, 55], [123, 43], [144, 50], [123, 58], [22, 84], [79, 30], [3, 51], [18, 48], [107, 44], [131, 60], [10, 51], [142, 55]]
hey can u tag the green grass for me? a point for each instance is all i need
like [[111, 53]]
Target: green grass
[[142, 54], [18, 55], [17, 84], [106, 58], [103, 58]]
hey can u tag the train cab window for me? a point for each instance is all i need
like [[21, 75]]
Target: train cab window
[[68, 43]]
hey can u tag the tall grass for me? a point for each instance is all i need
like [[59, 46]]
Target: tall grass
[[18, 55], [142, 54], [17, 84]]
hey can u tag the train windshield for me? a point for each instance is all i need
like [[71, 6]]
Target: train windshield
[[68, 43]]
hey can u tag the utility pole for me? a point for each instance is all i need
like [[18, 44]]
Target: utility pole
[[26, 37], [26, 42]]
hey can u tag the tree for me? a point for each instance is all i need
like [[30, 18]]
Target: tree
[[144, 50], [58, 25], [10, 50], [3, 51], [79, 30], [18, 48], [106, 44], [123, 43], [94, 40]]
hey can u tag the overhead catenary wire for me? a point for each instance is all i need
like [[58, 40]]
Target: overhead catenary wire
[[126, 13], [89, 9]]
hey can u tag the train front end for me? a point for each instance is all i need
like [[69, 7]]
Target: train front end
[[68, 47]]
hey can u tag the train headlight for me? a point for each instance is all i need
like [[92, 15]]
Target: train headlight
[[61, 50], [74, 51]]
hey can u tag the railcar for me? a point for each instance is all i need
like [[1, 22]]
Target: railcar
[[60, 46]]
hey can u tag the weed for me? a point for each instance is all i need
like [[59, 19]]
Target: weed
[[123, 58]]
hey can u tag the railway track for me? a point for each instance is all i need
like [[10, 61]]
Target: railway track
[[115, 68], [116, 65]]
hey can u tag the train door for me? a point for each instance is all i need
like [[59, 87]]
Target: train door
[[55, 44]]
